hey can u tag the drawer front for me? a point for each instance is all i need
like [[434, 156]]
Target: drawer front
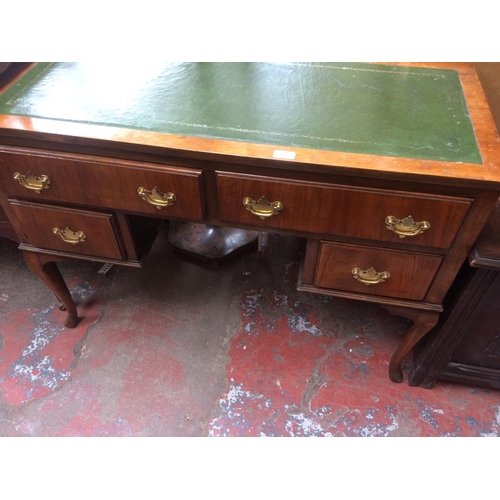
[[332, 209], [102, 184], [54, 228], [409, 274]]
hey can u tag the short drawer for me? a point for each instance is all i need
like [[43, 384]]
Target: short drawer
[[361, 269], [104, 184], [71, 231], [339, 210]]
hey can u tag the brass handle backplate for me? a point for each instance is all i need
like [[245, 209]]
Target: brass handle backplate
[[156, 197], [70, 236], [370, 276], [262, 207], [406, 227], [31, 181]]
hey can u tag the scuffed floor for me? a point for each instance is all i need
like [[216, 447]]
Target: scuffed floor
[[178, 349]]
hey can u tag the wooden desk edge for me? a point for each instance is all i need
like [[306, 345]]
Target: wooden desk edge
[[15, 130], [486, 174]]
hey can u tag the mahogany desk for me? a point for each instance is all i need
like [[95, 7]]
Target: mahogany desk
[[388, 170]]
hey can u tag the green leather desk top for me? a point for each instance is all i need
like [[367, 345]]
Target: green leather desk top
[[384, 110]]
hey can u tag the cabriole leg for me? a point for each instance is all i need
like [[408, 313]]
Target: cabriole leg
[[46, 269], [423, 322]]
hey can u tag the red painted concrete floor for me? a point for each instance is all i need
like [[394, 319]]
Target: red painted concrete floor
[[179, 349]]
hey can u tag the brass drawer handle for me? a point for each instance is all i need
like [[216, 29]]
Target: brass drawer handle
[[156, 197], [406, 226], [30, 181], [370, 276], [70, 236], [263, 208]]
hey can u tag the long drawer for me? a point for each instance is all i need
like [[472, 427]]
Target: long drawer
[[338, 210], [374, 271], [143, 188], [78, 232]]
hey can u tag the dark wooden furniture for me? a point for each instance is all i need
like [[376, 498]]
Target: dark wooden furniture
[[388, 171], [6, 230], [465, 345]]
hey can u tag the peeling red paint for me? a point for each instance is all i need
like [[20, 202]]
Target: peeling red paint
[[167, 357], [37, 351], [293, 374], [147, 382]]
